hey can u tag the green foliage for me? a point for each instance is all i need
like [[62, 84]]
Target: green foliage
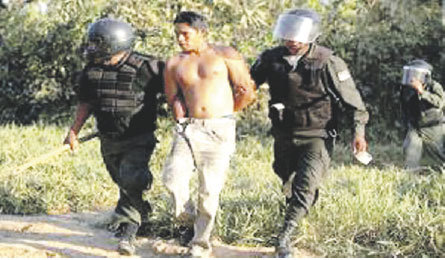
[[387, 37], [42, 51]]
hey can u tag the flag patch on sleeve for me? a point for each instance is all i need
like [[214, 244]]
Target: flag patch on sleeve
[[343, 75]]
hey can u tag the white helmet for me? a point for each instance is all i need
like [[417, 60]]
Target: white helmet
[[417, 69], [300, 25]]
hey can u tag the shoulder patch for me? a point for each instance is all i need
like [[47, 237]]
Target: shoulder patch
[[343, 75]]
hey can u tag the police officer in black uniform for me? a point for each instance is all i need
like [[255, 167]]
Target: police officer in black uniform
[[422, 101], [120, 88], [306, 83]]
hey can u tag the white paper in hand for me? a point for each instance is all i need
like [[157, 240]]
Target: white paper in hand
[[363, 157]]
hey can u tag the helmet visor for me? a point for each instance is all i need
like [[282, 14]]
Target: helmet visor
[[410, 73], [296, 28]]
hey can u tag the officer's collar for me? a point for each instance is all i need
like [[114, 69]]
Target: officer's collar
[[293, 60]]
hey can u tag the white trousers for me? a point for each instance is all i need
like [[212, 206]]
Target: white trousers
[[204, 145]]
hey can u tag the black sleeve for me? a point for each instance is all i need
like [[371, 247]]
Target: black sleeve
[[155, 71], [343, 85], [259, 70]]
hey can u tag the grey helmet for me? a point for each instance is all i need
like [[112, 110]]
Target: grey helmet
[[302, 25], [107, 37], [417, 69]]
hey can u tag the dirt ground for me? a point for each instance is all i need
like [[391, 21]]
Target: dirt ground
[[80, 235]]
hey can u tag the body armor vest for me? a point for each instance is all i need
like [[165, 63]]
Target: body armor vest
[[114, 88], [301, 90], [118, 96]]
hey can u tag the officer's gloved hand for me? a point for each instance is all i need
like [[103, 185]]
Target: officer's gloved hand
[[71, 139]]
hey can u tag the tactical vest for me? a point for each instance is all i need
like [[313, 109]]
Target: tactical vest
[[117, 97], [114, 86], [301, 90]]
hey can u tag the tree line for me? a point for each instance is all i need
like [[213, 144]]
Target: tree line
[[40, 50]]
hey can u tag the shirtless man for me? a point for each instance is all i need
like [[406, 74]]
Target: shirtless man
[[205, 85]]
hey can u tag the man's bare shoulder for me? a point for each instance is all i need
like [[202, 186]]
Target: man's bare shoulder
[[227, 52], [173, 61]]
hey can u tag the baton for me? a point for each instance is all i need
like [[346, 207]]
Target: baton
[[54, 152]]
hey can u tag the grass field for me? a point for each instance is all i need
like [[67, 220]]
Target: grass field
[[374, 211]]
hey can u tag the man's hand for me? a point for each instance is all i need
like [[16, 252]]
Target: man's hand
[[239, 92], [72, 140], [179, 109], [417, 85], [359, 144]]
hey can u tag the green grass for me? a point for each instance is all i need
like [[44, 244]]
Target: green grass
[[374, 211]]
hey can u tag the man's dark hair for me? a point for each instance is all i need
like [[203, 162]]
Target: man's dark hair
[[195, 20]]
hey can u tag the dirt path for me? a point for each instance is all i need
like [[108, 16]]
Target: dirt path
[[79, 235]]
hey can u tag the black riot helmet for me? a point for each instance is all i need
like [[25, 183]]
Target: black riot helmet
[[417, 69], [107, 37]]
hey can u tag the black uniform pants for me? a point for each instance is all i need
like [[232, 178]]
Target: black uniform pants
[[308, 159], [127, 162]]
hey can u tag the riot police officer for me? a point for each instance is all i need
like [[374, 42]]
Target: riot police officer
[[422, 102], [307, 83], [120, 88]]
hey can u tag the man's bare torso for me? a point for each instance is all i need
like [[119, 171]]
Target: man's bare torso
[[203, 80]]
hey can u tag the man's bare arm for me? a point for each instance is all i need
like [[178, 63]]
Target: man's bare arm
[[172, 91], [83, 111], [243, 86]]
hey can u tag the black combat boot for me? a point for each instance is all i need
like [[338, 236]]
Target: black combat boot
[[128, 236], [185, 234], [284, 245]]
